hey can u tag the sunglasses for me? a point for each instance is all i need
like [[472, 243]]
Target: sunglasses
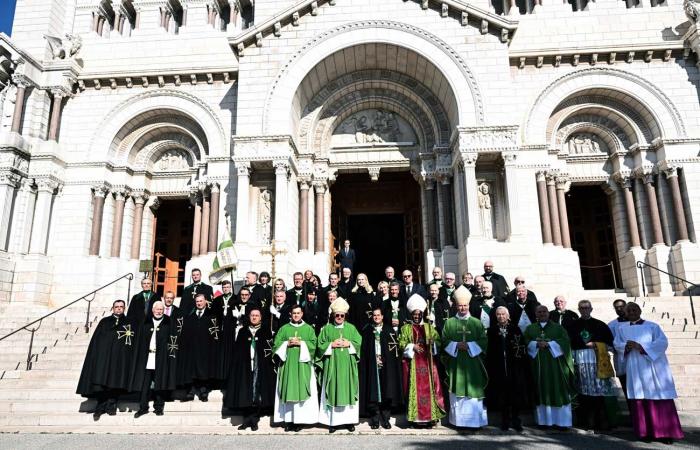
[[519, 281], [407, 276], [340, 315]]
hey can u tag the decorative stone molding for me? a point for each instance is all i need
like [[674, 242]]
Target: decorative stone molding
[[669, 169], [243, 168], [488, 139], [595, 55], [305, 168], [374, 173], [100, 190], [623, 178], [160, 79], [9, 179], [47, 185], [262, 148]]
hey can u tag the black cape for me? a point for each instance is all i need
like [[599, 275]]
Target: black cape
[[166, 353], [199, 352], [362, 303], [499, 283], [516, 310], [246, 387], [443, 311], [109, 357], [188, 294], [388, 312], [274, 323], [138, 311], [566, 319], [590, 330], [508, 367], [315, 314], [387, 382], [221, 309]]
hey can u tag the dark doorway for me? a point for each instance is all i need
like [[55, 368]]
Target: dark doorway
[[376, 240], [593, 236], [381, 219], [172, 245]]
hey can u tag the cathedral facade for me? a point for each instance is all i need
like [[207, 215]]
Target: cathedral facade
[[560, 140]]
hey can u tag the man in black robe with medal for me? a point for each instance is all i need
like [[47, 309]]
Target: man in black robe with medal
[[251, 383], [296, 295], [198, 362], [105, 373], [394, 308], [277, 314], [221, 307], [141, 304], [189, 293], [153, 373], [380, 372]]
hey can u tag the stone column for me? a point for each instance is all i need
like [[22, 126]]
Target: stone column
[[214, 218], [553, 208], [139, 202], [22, 85], [42, 215], [320, 214], [281, 187], [470, 186], [97, 209], [303, 215], [657, 231], [430, 211], [671, 173], [204, 230], [448, 238], [544, 208], [196, 199], [242, 201], [562, 183], [22, 218], [626, 184], [8, 185], [235, 11], [55, 114], [120, 196]]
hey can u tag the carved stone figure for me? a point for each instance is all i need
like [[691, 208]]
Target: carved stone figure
[[583, 143], [692, 10], [172, 160], [64, 48], [8, 98], [485, 210], [265, 216], [373, 126]]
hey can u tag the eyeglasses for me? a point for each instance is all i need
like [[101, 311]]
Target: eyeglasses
[[519, 281], [449, 279], [407, 276], [340, 315]]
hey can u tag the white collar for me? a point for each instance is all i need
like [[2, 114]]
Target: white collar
[[465, 317]]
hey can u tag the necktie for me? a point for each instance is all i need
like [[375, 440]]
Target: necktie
[[199, 314], [146, 296], [408, 289]]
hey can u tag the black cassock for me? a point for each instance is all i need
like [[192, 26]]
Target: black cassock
[[199, 349], [166, 352], [508, 367], [138, 310], [274, 323], [221, 309], [362, 304], [187, 303], [385, 384], [401, 314], [246, 387], [109, 357], [566, 319], [443, 311]]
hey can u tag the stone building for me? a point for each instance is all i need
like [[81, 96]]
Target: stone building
[[561, 140]]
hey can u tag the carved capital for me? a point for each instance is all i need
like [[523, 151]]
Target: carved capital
[[100, 190], [469, 158], [541, 176], [47, 185], [21, 80], [153, 203], [304, 184], [121, 193], [670, 170], [243, 168], [281, 167], [9, 179], [374, 173], [27, 185], [623, 178], [551, 176], [140, 197], [509, 158], [563, 182], [214, 187], [320, 186]]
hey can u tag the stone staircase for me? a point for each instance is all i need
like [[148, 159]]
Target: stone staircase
[[44, 400]]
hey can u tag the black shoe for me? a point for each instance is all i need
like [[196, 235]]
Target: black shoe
[[504, 426], [254, 427], [112, 412], [96, 415], [204, 397], [351, 428], [374, 426], [159, 412], [288, 427], [189, 397], [386, 425], [517, 427], [140, 412], [297, 428], [243, 427], [331, 429]]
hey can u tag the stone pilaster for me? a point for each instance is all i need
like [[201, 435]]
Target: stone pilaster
[[671, 173], [243, 201], [99, 192], [319, 215], [140, 200], [42, 215], [214, 217], [553, 208], [625, 182], [196, 199], [470, 187], [55, 123], [120, 196], [204, 229], [562, 185], [545, 221], [303, 215], [8, 186], [281, 188]]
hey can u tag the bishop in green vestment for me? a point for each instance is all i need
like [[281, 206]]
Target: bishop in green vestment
[[296, 398], [553, 369], [337, 353], [464, 340]]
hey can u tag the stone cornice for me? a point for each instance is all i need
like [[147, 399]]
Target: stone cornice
[[447, 8], [156, 79]]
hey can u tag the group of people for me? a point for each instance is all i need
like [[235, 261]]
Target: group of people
[[330, 354]]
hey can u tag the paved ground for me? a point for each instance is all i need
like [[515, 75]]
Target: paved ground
[[491, 439]]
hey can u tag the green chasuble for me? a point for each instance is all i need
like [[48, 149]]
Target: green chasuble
[[340, 375], [293, 376], [554, 376], [466, 375]]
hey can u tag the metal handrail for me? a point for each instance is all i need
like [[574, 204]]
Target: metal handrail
[[641, 265], [128, 276]]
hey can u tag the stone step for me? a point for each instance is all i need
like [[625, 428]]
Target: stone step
[[77, 404]]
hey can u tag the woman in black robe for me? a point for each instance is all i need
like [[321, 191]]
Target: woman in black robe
[[362, 302], [510, 380]]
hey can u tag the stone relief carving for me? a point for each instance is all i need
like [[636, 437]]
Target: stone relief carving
[[485, 209], [64, 48], [583, 143], [496, 139], [265, 216], [9, 97], [373, 126], [14, 160], [172, 160]]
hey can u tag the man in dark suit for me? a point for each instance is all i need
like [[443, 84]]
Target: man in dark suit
[[296, 295], [347, 256], [409, 287], [389, 276], [171, 310], [500, 285], [189, 293], [141, 304]]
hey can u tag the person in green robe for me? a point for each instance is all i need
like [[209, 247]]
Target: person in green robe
[[464, 343], [420, 343], [553, 369], [337, 353], [296, 395]]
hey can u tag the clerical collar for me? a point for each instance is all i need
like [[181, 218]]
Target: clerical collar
[[462, 317], [157, 321], [255, 328], [297, 324], [544, 324], [339, 325], [638, 322], [622, 319]]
